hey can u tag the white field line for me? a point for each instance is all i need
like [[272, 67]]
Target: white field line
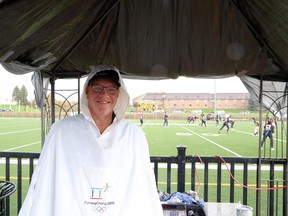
[[15, 161], [169, 124], [22, 131], [223, 167], [22, 146], [214, 143], [242, 131]]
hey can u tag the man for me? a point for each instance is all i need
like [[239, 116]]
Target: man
[[165, 123], [190, 118], [268, 132], [95, 163], [203, 121], [225, 124]]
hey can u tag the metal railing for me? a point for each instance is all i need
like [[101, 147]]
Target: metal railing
[[235, 179], [212, 177]]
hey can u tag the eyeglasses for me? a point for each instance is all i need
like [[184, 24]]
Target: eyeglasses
[[111, 90]]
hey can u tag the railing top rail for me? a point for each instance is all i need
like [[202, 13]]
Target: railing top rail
[[216, 159], [164, 159], [34, 155], [169, 159]]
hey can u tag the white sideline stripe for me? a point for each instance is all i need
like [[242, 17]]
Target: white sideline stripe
[[223, 167], [232, 129], [15, 161], [170, 124], [22, 146], [226, 149], [22, 131]]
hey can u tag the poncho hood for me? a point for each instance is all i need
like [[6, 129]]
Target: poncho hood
[[123, 98]]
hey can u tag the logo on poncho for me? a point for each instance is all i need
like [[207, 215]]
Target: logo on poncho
[[98, 192], [97, 200]]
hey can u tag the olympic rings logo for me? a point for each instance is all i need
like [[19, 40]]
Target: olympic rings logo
[[99, 209]]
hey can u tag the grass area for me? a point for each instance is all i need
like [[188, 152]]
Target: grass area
[[20, 134], [23, 135]]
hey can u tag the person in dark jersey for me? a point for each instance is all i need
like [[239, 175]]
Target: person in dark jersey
[[165, 120], [225, 124], [203, 121], [268, 132]]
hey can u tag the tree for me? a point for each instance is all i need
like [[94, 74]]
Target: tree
[[16, 94], [24, 95], [20, 95]]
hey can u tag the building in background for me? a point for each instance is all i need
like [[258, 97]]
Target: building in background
[[187, 102]]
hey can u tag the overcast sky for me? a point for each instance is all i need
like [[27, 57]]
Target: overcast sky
[[135, 88]]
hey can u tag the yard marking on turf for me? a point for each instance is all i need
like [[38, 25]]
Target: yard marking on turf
[[184, 134], [232, 129], [226, 149], [22, 146], [22, 131], [210, 134]]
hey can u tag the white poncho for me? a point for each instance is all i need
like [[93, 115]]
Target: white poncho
[[83, 173]]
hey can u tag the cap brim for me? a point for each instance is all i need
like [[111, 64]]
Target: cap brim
[[106, 74]]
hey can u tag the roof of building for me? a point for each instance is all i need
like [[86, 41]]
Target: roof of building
[[191, 96]]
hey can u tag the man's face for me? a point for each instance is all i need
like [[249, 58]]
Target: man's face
[[102, 96]]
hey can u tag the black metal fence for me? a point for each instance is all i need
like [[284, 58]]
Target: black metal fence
[[216, 179], [236, 179]]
